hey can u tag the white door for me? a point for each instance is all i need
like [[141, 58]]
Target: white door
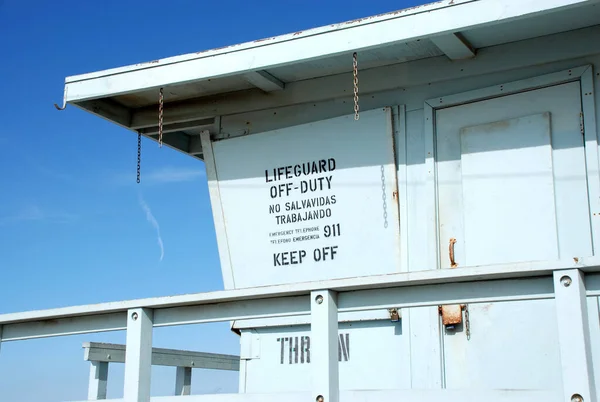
[[511, 188]]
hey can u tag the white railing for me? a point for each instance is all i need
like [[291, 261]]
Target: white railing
[[567, 281], [100, 355]]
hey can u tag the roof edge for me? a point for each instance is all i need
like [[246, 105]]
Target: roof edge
[[445, 20], [273, 40]]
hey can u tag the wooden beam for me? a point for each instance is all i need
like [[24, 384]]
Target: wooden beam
[[115, 353], [108, 109], [455, 46], [174, 127], [314, 45], [264, 81], [183, 381], [98, 381], [495, 59]]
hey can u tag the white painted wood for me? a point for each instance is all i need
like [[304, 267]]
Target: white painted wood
[[324, 339], [242, 378], [573, 332], [276, 39], [311, 47], [568, 160], [431, 186], [508, 58], [512, 191], [324, 211], [344, 316], [264, 81], [72, 325], [115, 353], [205, 124], [413, 95], [20, 326], [509, 88], [409, 395], [594, 331], [118, 114], [590, 127], [289, 352], [98, 380], [138, 356], [231, 311], [511, 187], [454, 46], [246, 341], [592, 283], [216, 203], [183, 381], [400, 135], [449, 293], [426, 371]]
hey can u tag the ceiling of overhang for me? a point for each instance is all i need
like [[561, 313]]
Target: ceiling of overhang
[[397, 53], [490, 35]]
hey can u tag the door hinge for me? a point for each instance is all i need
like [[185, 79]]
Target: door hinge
[[581, 127]]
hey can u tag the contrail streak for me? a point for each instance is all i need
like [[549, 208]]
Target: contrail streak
[[150, 218]]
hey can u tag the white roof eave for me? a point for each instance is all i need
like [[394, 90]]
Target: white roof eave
[[445, 17]]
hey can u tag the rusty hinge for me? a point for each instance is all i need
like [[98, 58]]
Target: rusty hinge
[[581, 126], [452, 316]]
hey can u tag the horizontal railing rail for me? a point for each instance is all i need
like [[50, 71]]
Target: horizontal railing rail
[[100, 355], [436, 395], [115, 353], [322, 302]]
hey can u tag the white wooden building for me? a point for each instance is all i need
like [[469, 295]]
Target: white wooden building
[[407, 206]]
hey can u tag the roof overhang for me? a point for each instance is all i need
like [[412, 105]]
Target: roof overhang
[[455, 29]]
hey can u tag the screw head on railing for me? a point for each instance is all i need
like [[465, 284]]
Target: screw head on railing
[[576, 398], [134, 316], [319, 300], [566, 281]]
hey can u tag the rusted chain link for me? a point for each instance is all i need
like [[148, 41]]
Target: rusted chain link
[[160, 117], [139, 156], [355, 72]]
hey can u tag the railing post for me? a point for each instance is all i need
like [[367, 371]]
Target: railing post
[[98, 380], [138, 355], [324, 339], [573, 336], [183, 381]]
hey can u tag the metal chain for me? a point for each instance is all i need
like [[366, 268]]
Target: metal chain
[[467, 322], [355, 72], [139, 156], [160, 117], [384, 197]]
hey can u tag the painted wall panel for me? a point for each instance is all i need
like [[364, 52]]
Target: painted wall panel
[[508, 340], [319, 203], [287, 352]]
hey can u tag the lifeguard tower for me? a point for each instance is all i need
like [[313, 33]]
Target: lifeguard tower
[[407, 206]]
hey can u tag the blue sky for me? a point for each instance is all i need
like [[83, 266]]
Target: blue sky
[[73, 224]]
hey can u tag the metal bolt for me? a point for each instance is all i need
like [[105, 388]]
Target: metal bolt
[[320, 398], [319, 300], [566, 281], [134, 316], [576, 398]]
